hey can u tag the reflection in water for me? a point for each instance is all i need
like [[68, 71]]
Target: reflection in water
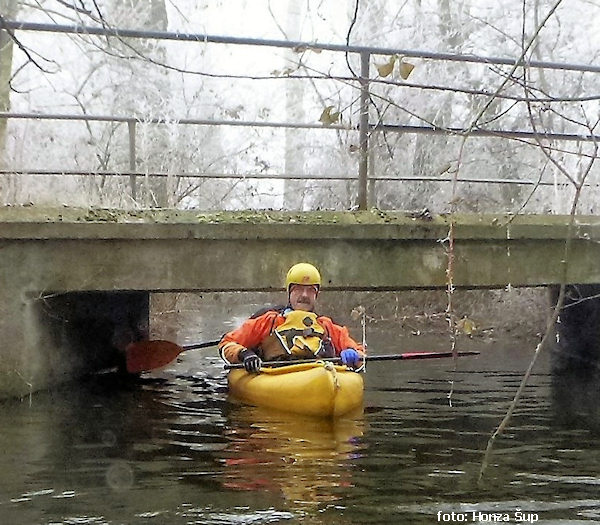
[[576, 400], [304, 459]]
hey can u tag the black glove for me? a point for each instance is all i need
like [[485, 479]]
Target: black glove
[[250, 361]]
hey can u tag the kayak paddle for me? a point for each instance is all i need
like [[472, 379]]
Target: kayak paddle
[[141, 356], [389, 357]]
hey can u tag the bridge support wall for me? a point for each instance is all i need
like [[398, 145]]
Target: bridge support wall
[[51, 338]]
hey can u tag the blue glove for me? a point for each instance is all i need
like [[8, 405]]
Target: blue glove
[[250, 361], [350, 357]]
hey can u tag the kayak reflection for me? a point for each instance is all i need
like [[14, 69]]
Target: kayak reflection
[[303, 459]]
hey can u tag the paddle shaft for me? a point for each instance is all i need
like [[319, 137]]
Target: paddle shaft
[[201, 345], [390, 357]]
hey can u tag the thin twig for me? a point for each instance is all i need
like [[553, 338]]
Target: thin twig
[[579, 185], [349, 34]]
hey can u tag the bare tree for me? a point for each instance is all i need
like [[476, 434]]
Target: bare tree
[[145, 78], [8, 9], [293, 193]]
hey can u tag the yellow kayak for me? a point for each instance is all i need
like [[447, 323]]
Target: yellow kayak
[[314, 389]]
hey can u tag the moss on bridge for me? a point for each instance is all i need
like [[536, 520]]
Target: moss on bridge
[[161, 215], [32, 213], [364, 224]]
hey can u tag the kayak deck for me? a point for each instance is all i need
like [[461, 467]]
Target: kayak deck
[[314, 389]]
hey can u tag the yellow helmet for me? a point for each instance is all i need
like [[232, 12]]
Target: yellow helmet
[[303, 273]]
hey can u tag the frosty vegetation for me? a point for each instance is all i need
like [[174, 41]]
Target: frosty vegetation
[[158, 84]]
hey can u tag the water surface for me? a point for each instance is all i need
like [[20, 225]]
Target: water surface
[[172, 449]]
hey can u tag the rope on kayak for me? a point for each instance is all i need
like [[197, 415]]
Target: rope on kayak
[[331, 368]]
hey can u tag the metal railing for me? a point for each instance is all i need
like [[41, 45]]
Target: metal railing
[[364, 128], [288, 44]]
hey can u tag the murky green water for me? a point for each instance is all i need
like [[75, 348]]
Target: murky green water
[[171, 449]]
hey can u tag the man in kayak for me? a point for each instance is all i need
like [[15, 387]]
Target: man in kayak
[[293, 331]]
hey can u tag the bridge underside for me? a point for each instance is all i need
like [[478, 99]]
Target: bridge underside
[[75, 283]]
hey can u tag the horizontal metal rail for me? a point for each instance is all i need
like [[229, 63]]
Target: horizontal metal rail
[[299, 45], [401, 128], [241, 176], [280, 176], [479, 132], [162, 120]]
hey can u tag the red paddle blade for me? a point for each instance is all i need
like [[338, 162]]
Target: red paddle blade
[[142, 356]]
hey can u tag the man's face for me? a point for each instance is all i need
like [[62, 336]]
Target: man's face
[[303, 297]]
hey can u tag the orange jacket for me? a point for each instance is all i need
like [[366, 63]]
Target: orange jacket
[[255, 330]]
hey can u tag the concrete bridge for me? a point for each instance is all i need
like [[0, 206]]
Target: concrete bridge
[[75, 283]]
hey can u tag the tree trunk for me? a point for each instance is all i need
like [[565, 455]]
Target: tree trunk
[[293, 193], [430, 151], [8, 9], [150, 16]]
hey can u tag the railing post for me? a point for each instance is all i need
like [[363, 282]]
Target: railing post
[[363, 131], [371, 186], [132, 159]]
